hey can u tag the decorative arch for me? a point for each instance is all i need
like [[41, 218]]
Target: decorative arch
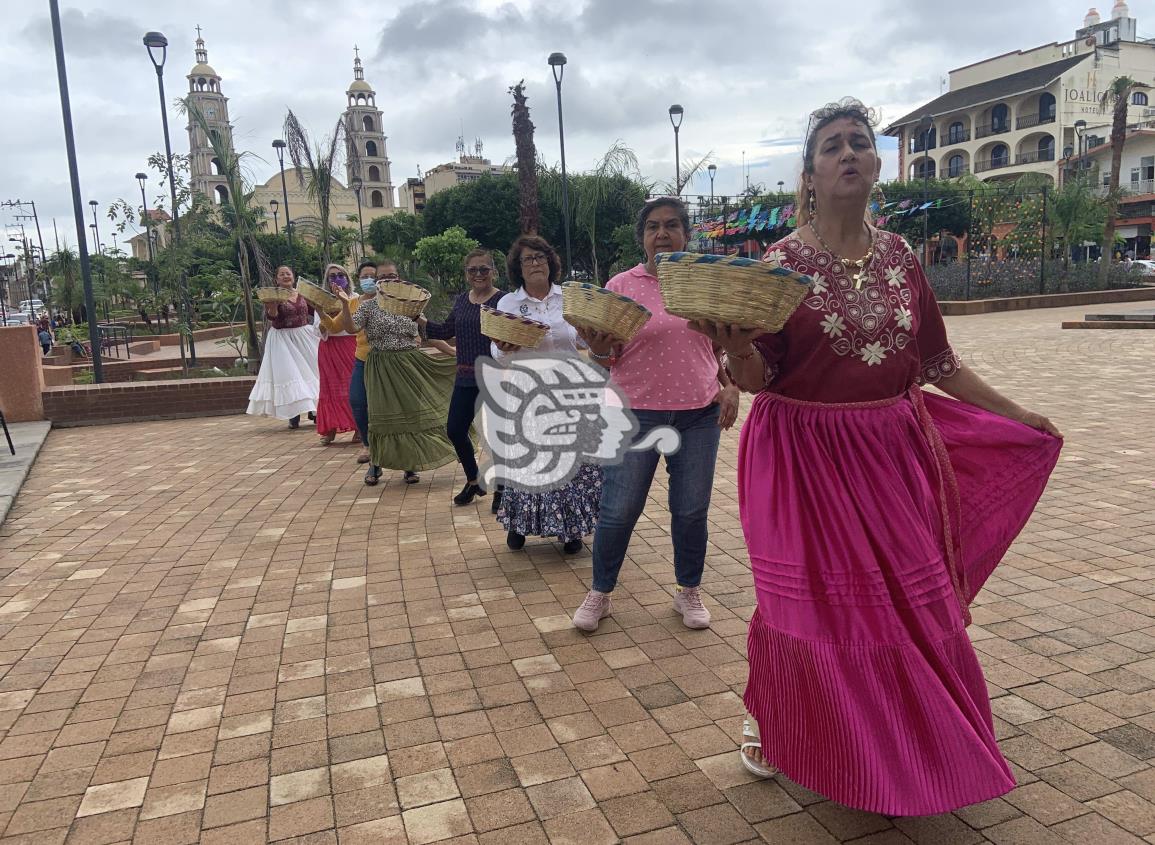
[[1000, 118], [216, 168], [1046, 148], [376, 200], [955, 166], [367, 122], [1047, 107], [374, 173], [222, 194], [371, 149], [1000, 155]]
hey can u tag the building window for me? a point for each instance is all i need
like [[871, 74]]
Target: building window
[[371, 149], [924, 169], [1046, 108], [1047, 148], [367, 121], [374, 173], [1000, 118], [222, 194], [376, 200], [1000, 155], [1138, 99], [956, 134], [215, 166], [955, 166]]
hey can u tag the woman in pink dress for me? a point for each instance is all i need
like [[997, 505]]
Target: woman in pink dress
[[873, 512], [335, 357]]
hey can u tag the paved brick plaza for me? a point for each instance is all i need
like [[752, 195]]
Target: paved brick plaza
[[212, 630]]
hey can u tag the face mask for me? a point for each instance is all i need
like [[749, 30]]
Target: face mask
[[340, 281], [368, 285]]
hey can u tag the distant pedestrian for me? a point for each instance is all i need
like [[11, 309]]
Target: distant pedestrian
[[45, 340]]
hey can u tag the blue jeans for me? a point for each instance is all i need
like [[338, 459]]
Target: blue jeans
[[359, 402], [626, 486]]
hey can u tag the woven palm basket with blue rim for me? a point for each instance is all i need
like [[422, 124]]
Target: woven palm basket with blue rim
[[743, 292], [586, 306]]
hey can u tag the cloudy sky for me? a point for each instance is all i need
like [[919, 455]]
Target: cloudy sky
[[746, 71]]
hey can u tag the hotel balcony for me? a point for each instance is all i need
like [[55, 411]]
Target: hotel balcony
[[1029, 120], [985, 164], [1035, 156], [988, 129]]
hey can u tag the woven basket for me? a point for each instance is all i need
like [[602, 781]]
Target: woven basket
[[270, 294], [511, 328], [743, 292], [321, 299], [587, 306], [402, 298]]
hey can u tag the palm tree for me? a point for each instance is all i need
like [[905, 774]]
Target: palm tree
[[240, 218], [63, 266], [529, 215], [1075, 215], [316, 166], [1118, 94], [590, 193]]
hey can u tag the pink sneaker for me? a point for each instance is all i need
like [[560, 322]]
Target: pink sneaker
[[688, 602], [594, 609]]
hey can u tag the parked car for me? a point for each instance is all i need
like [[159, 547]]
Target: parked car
[[31, 306], [1145, 266], [16, 320]]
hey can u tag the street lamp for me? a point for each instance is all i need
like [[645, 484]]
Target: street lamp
[[274, 205], [1081, 133], [96, 227], [356, 184], [780, 194], [676, 113], [925, 124], [712, 169], [279, 146], [557, 65], [157, 46], [142, 178]]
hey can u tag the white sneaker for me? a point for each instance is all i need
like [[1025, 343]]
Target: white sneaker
[[688, 602], [593, 610]]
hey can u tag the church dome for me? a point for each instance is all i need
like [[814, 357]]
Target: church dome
[[1120, 11], [1092, 18], [361, 85], [202, 69]]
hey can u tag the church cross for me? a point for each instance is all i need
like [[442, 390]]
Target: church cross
[[198, 32]]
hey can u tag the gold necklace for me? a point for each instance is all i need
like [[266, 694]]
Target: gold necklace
[[860, 265]]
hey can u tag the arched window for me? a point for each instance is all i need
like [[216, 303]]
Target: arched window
[[215, 166], [374, 173], [1046, 107], [201, 84], [1000, 118], [371, 149], [1047, 148], [955, 167], [222, 194], [1000, 155], [956, 134], [1138, 99], [376, 200], [924, 169], [368, 122]]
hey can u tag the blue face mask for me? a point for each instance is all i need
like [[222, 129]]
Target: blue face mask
[[368, 285]]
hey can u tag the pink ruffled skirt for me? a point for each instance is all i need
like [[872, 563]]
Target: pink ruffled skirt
[[870, 528]]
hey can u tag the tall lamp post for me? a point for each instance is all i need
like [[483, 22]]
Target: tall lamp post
[[781, 195], [279, 146], [557, 65], [96, 226], [357, 184], [925, 125], [274, 205], [157, 46], [712, 170], [676, 113], [141, 178], [1081, 134]]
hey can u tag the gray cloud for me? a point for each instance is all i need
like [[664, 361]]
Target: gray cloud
[[93, 33]]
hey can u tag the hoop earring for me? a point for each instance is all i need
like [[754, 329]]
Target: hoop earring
[[812, 201]]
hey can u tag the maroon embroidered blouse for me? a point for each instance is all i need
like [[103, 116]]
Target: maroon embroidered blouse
[[292, 315]]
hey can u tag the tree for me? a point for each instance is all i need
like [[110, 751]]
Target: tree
[[1075, 215], [442, 256], [64, 268], [241, 219], [1118, 93], [401, 229], [528, 213], [316, 166]]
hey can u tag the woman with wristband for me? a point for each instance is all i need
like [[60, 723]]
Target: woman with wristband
[[335, 357], [872, 512], [671, 377], [464, 326], [568, 513]]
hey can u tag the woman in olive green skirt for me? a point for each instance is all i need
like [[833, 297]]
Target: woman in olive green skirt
[[408, 392]]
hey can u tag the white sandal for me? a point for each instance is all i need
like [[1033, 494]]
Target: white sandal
[[752, 741]]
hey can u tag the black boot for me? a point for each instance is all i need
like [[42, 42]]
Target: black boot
[[295, 422], [514, 540], [468, 493], [572, 547], [496, 506]]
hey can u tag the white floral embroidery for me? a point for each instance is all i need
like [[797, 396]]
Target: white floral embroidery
[[775, 256], [943, 365], [872, 323], [872, 354], [833, 325]]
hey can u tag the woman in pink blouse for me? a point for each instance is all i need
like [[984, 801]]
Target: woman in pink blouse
[[873, 512]]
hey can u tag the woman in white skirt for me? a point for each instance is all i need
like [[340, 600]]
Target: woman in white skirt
[[289, 383]]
